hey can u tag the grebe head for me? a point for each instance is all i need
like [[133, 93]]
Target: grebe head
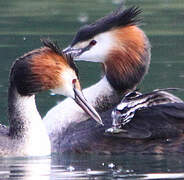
[[122, 47], [107, 33], [49, 69]]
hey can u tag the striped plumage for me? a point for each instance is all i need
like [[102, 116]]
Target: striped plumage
[[135, 101]]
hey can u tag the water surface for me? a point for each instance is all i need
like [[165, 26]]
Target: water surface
[[79, 167], [23, 23]]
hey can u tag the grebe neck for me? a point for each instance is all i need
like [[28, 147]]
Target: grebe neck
[[26, 124], [102, 95]]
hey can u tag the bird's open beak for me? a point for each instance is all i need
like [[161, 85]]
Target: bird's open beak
[[82, 102], [67, 50], [75, 52]]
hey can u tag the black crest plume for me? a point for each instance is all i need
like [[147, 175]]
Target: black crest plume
[[55, 47], [70, 61], [52, 45], [117, 18]]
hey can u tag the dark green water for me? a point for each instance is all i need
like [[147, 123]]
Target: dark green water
[[23, 23]]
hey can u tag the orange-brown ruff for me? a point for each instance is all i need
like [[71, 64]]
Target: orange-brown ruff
[[47, 65], [50, 64], [126, 58], [130, 43]]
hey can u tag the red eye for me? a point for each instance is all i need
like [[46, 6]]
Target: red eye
[[74, 81], [92, 43]]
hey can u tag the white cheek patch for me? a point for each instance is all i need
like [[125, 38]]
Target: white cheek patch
[[66, 87], [99, 52], [65, 91]]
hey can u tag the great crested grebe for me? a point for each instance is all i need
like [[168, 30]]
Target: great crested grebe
[[124, 51], [41, 69]]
